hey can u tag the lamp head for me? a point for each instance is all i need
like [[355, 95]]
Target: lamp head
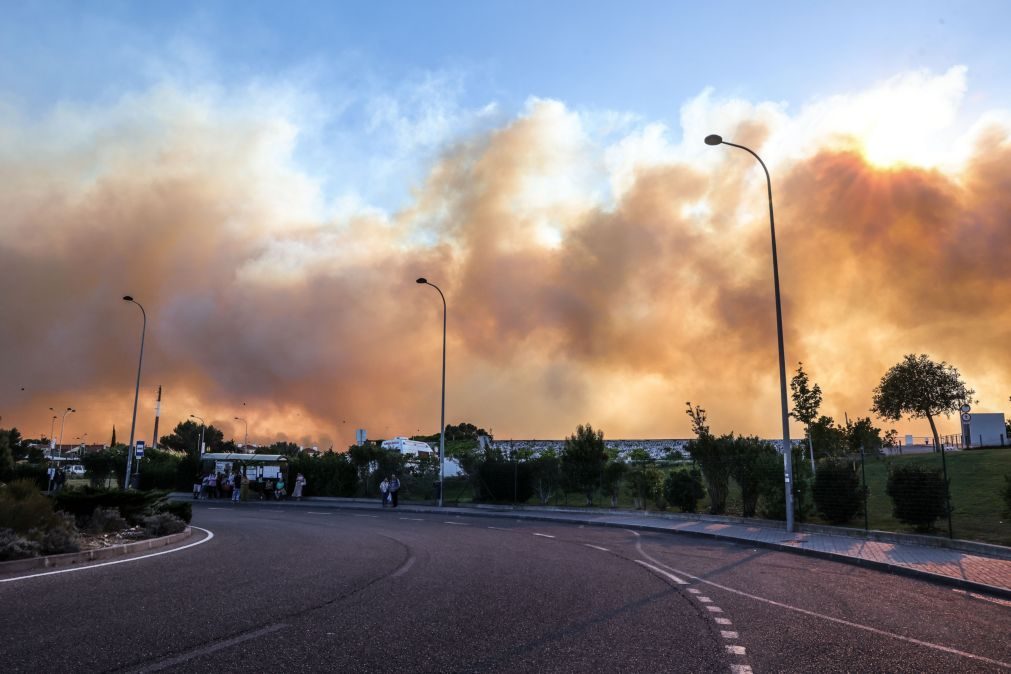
[[713, 139], [127, 298], [422, 280]]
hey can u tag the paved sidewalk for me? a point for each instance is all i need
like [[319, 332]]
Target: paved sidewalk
[[969, 571]]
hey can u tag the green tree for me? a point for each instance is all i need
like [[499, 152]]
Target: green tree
[[583, 460], [645, 479], [832, 440], [547, 475], [612, 478], [684, 489], [751, 459], [280, 447], [837, 493], [806, 402], [863, 435], [186, 438], [712, 457], [362, 457], [922, 389]]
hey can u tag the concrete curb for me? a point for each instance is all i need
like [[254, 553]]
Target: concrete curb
[[71, 558]]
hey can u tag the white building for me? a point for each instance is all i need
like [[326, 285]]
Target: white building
[[407, 447], [987, 429]]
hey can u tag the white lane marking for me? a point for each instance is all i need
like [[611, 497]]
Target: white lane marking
[[694, 591], [404, 568], [544, 535], [216, 509], [210, 535], [413, 519], [714, 609], [740, 669], [735, 650], [312, 513], [722, 621], [596, 547], [500, 528], [634, 533], [728, 634], [705, 600], [838, 621], [660, 571], [459, 524], [186, 657], [993, 600], [357, 515]]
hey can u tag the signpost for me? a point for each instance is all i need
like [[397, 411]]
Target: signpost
[[966, 419], [140, 451]]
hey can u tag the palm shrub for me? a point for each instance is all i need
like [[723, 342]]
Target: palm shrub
[[837, 493], [918, 495], [684, 489]]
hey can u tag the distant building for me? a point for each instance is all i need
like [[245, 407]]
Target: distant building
[[986, 429]]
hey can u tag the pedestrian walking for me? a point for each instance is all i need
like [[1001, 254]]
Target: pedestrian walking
[[61, 477], [236, 485], [198, 486], [394, 489], [384, 490], [299, 486]]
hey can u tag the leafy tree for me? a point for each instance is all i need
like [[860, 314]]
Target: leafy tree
[[832, 440], [463, 431], [362, 457], [186, 438], [751, 460], [806, 402], [583, 460], [107, 462], [773, 493], [614, 474], [837, 493], [712, 457], [646, 480], [547, 475], [891, 438], [280, 447], [863, 435], [684, 489], [922, 389]]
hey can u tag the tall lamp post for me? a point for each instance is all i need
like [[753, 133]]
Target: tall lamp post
[[787, 449], [52, 425], [245, 433], [136, 394], [200, 447], [442, 418], [63, 424]]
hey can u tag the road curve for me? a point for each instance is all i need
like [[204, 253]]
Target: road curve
[[336, 590]]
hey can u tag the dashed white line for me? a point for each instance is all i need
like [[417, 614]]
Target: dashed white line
[[714, 609], [694, 591], [705, 600], [413, 519], [663, 573], [500, 528], [312, 513], [544, 535], [596, 547], [459, 524], [740, 669], [227, 643], [727, 634], [736, 650], [723, 621], [357, 515]]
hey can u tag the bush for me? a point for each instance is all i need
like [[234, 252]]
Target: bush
[[13, 546], [918, 495], [837, 492], [36, 472], [751, 461], [773, 489], [57, 539], [181, 509], [163, 524], [132, 504], [684, 489], [499, 479], [1007, 496], [23, 508], [104, 520]]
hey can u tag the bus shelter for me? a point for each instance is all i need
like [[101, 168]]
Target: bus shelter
[[254, 466]]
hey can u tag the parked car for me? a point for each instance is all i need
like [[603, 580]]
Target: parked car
[[75, 471]]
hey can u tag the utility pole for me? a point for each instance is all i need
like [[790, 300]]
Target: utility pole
[[157, 416]]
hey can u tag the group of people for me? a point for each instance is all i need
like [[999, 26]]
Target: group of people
[[57, 478], [389, 488], [237, 487]]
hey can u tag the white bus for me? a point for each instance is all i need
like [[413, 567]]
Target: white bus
[[407, 447]]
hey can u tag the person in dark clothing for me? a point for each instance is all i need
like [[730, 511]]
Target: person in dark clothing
[[394, 490]]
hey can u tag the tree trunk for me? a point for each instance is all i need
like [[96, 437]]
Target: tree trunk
[[933, 429], [810, 447]]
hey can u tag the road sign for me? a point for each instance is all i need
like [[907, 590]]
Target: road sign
[[966, 417], [965, 409], [140, 449]]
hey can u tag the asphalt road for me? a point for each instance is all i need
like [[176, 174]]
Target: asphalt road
[[279, 590]]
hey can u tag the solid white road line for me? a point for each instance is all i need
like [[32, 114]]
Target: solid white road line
[[838, 621], [357, 515], [312, 513], [544, 535], [413, 519], [459, 524], [659, 571], [209, 536], [500, 528], [596, 547]]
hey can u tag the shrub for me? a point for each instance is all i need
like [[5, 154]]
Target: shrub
[[181, 509], [684, 489], [104, 520], [132, 504], [751, 460], [918, 495], [23, 508], [1007, 495], [163, 524], [13, 546], [610, 482], [773, 491], [57, 539], [837, 492], [36, 472]]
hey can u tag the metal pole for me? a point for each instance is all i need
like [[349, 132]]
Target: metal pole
[[136, 394], [863, 470], [157, 416], [442, 418], [63, 424], [947, 492], [787, 449]]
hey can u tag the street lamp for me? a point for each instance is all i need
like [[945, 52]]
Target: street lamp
[[52, 425], [63, 424], [787, 449], [245, 435], [442, 421], [136, 393], [200, 447]]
